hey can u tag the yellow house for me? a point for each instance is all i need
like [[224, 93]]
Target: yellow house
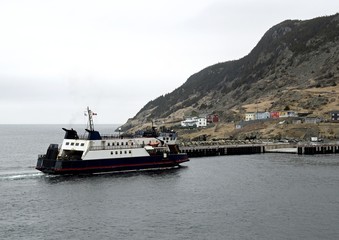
[[249, 116]]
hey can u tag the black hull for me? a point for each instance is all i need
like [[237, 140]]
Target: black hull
[[108, 165]]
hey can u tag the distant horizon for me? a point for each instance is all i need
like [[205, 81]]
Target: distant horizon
[[79, 127]]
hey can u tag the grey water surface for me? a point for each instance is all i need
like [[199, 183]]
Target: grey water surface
[[264, 196]]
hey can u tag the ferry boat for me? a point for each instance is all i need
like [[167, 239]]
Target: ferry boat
[[96, 153]]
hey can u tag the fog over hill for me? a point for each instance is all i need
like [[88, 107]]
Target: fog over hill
[[291, 58]]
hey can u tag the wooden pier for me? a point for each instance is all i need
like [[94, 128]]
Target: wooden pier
[[220, 150], [318, 149]]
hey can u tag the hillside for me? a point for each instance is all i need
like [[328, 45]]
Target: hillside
[[294, 65]]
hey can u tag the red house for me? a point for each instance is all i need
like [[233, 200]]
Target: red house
[[213, 118], [275, 115]]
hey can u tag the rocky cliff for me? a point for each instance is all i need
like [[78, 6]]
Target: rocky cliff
[[295, 65]]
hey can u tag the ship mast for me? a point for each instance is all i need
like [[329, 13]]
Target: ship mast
[[90, 119]]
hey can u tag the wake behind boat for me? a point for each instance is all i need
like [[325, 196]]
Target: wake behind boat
[[96, 153]]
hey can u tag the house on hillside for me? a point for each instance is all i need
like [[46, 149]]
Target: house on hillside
[[194, 122], [283, 114], [250, 116], [274, 115], [313, 120], [212, 118], [262, 115], [334, 115]]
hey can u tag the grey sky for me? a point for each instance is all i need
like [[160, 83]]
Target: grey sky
[[57, 57]]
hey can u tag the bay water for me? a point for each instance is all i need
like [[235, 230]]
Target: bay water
[[262, 196]]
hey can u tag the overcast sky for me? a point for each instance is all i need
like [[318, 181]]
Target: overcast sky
[[58, 57]]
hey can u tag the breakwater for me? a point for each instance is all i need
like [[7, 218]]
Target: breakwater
[[220, 150]]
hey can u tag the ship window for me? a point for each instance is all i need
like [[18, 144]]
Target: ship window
[[129, 151], [72, 144], [111, 152], [117, 144], [113, 144], [120, 152], [122, 143], [125, 152], [82, 144], [116, 152], [77, 144], [67, 143], [108, 144], [131, 144]]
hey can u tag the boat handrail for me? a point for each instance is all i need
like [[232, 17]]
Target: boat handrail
[[107, 137], [111, 136], [122, 147]]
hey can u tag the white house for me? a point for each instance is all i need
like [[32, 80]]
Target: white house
[[250, 116], [194, 122], [262, 115]]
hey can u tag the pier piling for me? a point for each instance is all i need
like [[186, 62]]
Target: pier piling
[[221, 150]]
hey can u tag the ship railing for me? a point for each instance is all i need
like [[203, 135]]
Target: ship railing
[[110, 136], [116, 136], [122, 147], [103, 137]]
